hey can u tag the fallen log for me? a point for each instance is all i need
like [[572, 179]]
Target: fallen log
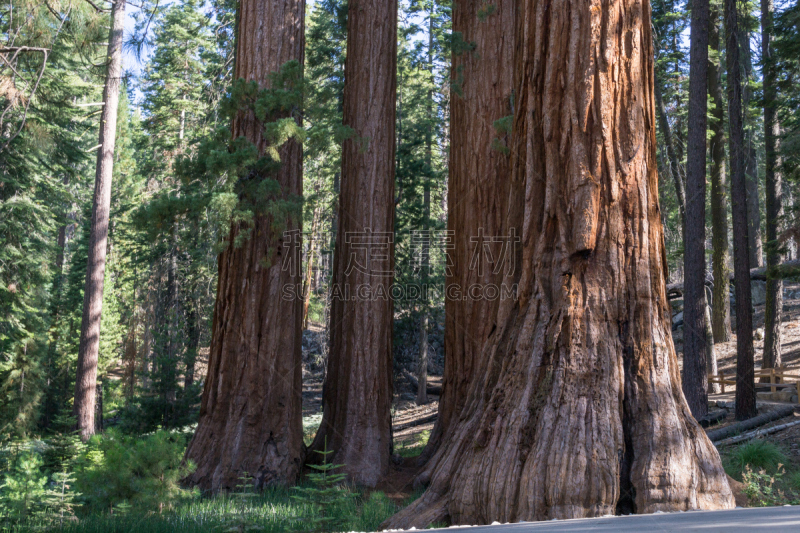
[[740, 427], [756, 433], [436, 390], [417, 422], [787, 269], [713, 419]]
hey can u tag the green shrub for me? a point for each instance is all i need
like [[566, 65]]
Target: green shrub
[[763, 490], [23, 487], [144, 472]]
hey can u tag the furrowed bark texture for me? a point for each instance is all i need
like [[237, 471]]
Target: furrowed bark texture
[[356, 420], [580, 410], [478, 187], [745, 388], [695, 381], [251, 413], [721, 302], [89, 345], [774, 303]]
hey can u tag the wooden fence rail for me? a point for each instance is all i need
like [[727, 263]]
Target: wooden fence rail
[[777, 378]]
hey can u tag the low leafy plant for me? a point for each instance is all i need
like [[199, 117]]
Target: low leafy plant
[[763, 490]]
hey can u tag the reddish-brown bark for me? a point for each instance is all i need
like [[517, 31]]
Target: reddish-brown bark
[[477, 194], [356, 421], [580, 410], [251, 413], [89, 346]]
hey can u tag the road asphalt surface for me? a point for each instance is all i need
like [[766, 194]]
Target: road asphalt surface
[[767, 519]]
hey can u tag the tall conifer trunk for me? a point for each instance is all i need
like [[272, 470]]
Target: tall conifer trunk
[[774, 303], [755, 245], [422, 359], [672, 156], [745, 387], [89, 346], [579, 411], [251, 412], [477, 194], [695, 381], [356, 420], [721, 302]]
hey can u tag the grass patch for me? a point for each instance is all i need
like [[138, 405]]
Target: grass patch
[[272, 511], [757, 454], [766, 472], [310, 426], [414, 446]]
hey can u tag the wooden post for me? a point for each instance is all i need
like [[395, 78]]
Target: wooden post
[[772, 379], [722, 380]]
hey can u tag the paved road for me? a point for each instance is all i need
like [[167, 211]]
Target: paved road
[[768, 519]]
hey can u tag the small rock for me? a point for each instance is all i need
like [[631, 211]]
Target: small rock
[[758, 334], [780, 396], [758, 290]]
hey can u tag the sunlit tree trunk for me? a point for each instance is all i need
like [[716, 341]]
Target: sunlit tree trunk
[[477, 194], [89, 346], [721, 311], [580, 410], [357, 397], [251, 412]]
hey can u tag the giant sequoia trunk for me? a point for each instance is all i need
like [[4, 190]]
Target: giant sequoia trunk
[[695, 381], [580, 410], [251, 414], [356, 420], [89, 346], [774, 303], [477, 196], [721, 312]]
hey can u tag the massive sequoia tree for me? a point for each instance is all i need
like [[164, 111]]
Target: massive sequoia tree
[[477, 193], [89, 346], [356, 419], [251, 413], [580, 410]]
